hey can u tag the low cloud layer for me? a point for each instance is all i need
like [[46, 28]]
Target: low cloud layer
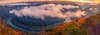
[[51, 10], [16, 4]]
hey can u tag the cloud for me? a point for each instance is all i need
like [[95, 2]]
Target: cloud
[[51, 10], [18, 4], [13, 4]]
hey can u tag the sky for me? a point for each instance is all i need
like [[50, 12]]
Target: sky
[[85, 1]]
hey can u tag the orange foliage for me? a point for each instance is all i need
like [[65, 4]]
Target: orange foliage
[[81, 20], [60, 27], [18, 33]]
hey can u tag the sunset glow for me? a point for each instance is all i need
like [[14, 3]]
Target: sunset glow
[[84, 1]]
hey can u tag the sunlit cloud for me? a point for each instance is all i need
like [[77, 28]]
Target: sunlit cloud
[[13, 4], [51, 10]]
